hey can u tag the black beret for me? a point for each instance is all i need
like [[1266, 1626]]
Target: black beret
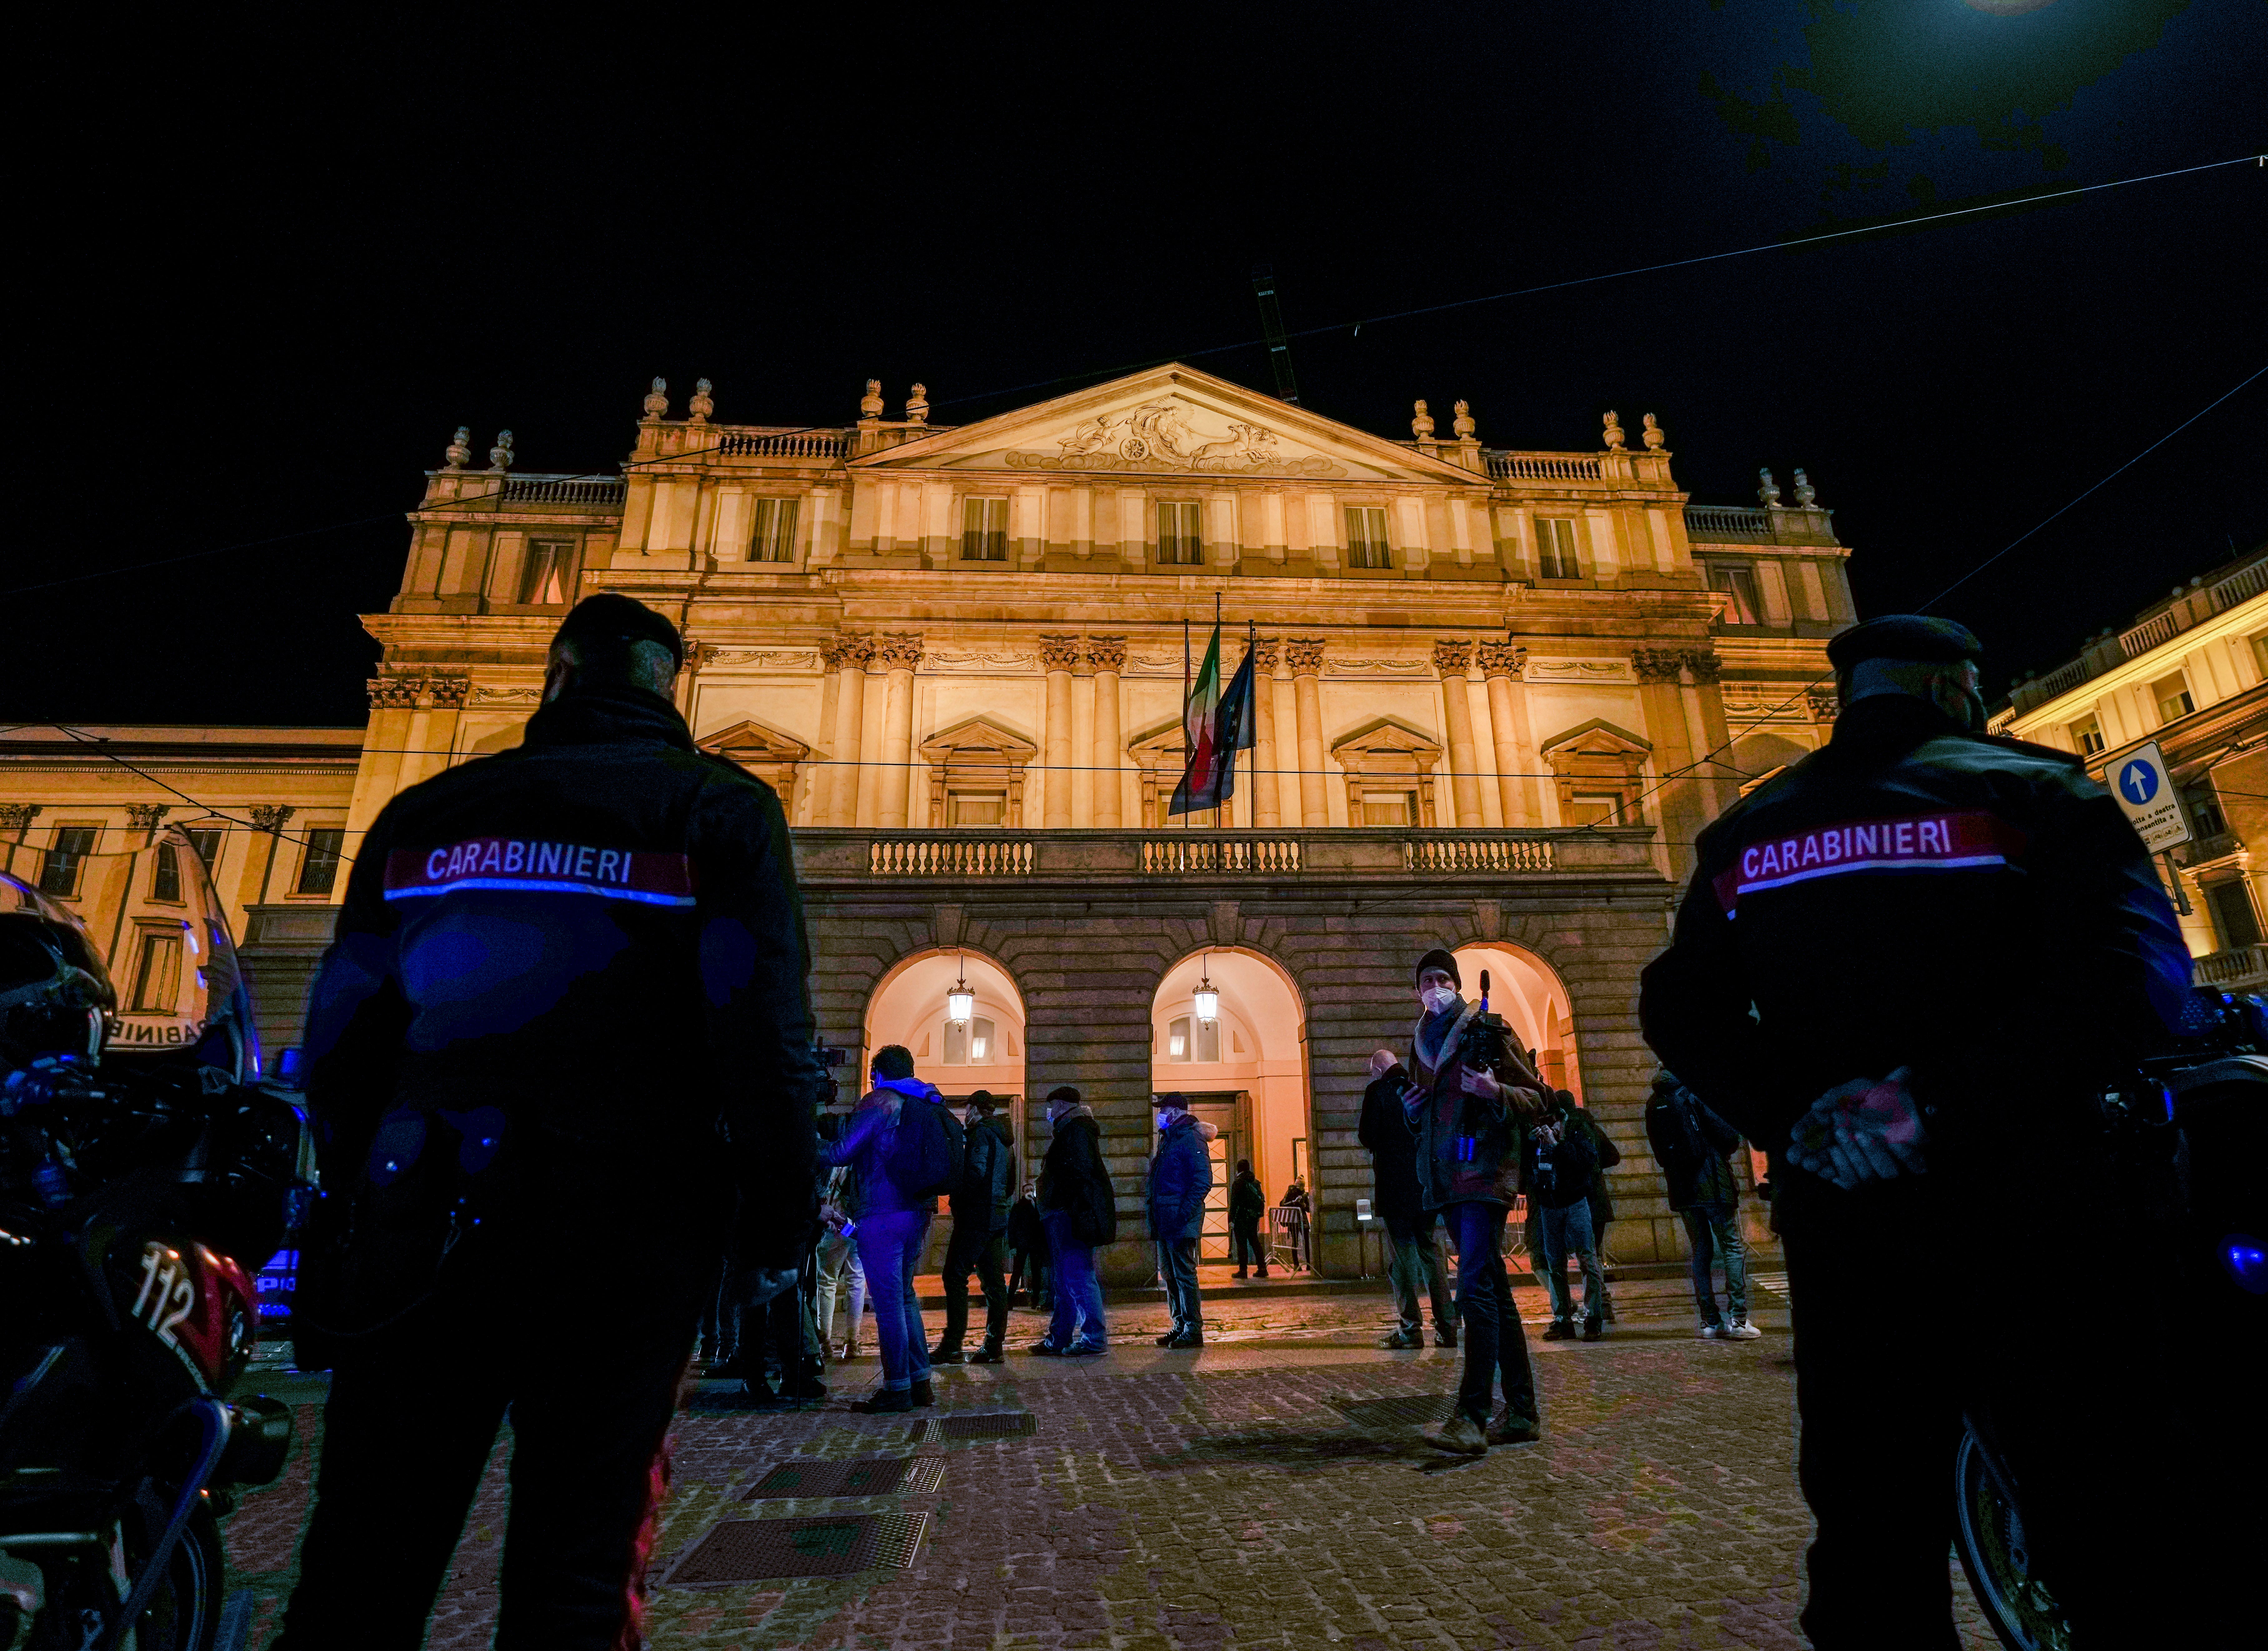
[[608, 617], [1443, 960], [1903, 637]]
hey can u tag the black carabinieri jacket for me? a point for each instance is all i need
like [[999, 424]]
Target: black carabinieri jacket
[[568, 995]]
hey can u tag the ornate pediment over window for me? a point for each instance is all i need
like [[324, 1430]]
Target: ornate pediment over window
[[772, 756], [1390, 775], [976, 775], [1600, 772]]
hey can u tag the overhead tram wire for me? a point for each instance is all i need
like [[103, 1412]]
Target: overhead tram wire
[[1215, 349]]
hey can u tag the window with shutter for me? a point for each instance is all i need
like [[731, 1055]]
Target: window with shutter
[[985, 530], [1740, 583], [166, 873], [772, 538], [1555, 549], [1181, 532], [1367, 546], [543, 580], [158, 980]]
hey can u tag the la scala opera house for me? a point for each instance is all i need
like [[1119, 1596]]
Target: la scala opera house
[[1498, 691]]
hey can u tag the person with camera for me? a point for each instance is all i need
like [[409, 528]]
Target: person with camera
[[1907, 965], [1079, 1210], [903, 1145], [1694, 1147], [1027, 1239], [1397, 1199], [1467, 1096], [1560, 1156], [558, 1058], [979, 1202], [1180, 1175]]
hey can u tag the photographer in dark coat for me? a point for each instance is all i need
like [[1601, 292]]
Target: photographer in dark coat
[[1694, 1147], [1247, 1207], [1468, 1096], [1560, 1154], [979, 1202], [1079, 1208], [566, 1014], [1397, 1199]]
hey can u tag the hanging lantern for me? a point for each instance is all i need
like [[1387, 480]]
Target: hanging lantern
[[1206, 1000], [959, 1003]]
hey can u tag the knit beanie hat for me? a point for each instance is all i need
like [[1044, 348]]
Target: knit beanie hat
[[1443, 960]]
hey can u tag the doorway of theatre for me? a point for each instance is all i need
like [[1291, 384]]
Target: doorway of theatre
[[1529, 994], [913, 1007], [1243, 1070]]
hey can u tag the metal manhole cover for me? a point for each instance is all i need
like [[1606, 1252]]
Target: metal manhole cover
[[865, 1476], [990, 1424], [758, 1550], [1410, 1411]]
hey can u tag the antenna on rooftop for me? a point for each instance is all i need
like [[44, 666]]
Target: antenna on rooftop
[[1271, 327]]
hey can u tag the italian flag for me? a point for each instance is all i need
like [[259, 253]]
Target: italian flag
[[1216, 725]]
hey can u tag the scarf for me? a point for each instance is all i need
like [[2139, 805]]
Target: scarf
[[1435, 1033]]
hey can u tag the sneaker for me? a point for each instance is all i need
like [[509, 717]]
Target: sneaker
[[1509, 1428], [922, 1394], [1560, 1329], [946, 1355], [1445, 1338], [1713, 1332], [1594, 1330], [1403, 1340], [1740, 1330], [1046, 1350], [1459, 1435], [888, 1401], [1187, 1338], [985, 1355]]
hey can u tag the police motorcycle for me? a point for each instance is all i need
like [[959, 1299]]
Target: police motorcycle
[[143, 1179], [2189, 1132]]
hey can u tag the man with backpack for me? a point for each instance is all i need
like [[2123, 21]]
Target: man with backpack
[[979, 1202], [1078, 1209], [1694, 1147], [906, 1147]]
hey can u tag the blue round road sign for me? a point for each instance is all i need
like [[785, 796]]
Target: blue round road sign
[[2138, 782]]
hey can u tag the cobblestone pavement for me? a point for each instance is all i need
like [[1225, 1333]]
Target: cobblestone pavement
[[1221, 1499]]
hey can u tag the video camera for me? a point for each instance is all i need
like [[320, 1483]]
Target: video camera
[[1485, 1044], [830, 1058]]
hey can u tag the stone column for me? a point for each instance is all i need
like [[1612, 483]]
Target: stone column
[[1676, 796], [268, 820], [1108, 655], [1502, 663], [846, 657], [898, 655], [1706, 700], [1057, 655], [1452, 659], [1267, 796], [1306, 654]]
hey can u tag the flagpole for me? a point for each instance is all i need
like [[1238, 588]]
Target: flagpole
[[1187, 682]]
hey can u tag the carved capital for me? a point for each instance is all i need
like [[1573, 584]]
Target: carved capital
[[1824, 703], [146, 816], [901, 651], [1107, 653], [1706, 667], [848, 653], [1503, 659], [394, 693], [1058, 653], [1306, 654], [271, 816], [1657, 665], [17, 816], [448, 692], [1267, 653], [1453, 659]]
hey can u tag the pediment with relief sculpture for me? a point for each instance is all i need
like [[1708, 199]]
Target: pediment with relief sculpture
[[1170, 421]]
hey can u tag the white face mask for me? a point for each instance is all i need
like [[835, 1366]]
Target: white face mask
[[1437, 999]]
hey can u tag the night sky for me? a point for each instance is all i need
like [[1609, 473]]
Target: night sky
[[275, 264]]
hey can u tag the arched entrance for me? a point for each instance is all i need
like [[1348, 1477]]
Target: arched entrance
[[1245, 1072], [1529, 994]]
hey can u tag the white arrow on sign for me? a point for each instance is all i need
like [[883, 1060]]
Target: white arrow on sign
[[2146, 791]]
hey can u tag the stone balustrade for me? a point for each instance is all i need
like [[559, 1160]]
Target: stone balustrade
[[2239, 968]]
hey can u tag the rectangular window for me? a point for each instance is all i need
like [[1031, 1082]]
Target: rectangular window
[[1555, 550], [1189, 1041], [1584, 809], [2204, 810], [1181, 532], [975, 808], [1367, 546], [985, 530], [1389, 808], [968, 1042], [166, 873], [1740, 583], [157, 983], [544, 579], [59, 873], [773, 539], [206, 841], [2086, 735], [2173, 696], [2260, 655], [2233, 916], [319, 868]]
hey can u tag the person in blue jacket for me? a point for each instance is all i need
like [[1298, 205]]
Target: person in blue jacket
[[892, 1228], [1180, 1175]]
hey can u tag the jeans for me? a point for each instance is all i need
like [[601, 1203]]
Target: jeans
[[1244, 1241], [1417, 1255], [1565, 1231], [890, 1246], [1079, 1296], [840, 1273], [973, 1246], [1494, 1344], [1717, 1227], [1177, 1262]]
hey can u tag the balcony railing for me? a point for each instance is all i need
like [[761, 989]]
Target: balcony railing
[[1209, 851], [1489, 853], [530, 490], [1543, 467], [809, 444], [1739, 522], [2239, 966], [942, 856], [2158, 629]]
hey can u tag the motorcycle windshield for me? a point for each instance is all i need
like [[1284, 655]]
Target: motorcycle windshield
[[174, 963]]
